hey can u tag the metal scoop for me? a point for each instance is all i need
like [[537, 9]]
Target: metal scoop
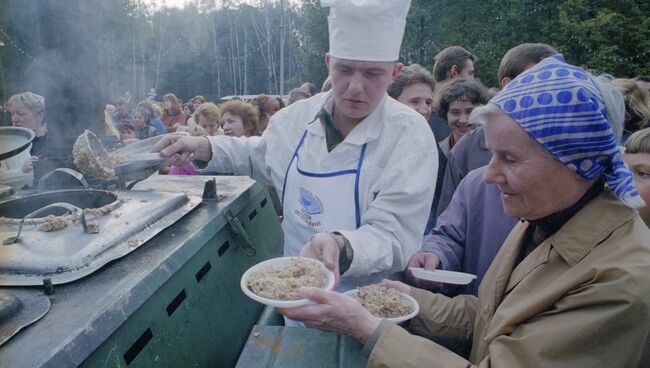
[[91, 157], [66, 206]]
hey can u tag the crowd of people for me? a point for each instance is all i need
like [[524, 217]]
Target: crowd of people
[[540, 188]]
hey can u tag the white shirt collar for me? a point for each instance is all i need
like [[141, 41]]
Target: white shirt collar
[[367, 130]]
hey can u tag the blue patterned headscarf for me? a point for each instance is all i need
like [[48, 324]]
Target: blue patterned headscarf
[[561, 108]]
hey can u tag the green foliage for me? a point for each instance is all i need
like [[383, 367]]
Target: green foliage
[[612, 36], [223, 47], [314, 40]]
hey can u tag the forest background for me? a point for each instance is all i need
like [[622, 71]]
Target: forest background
[[220, 47]]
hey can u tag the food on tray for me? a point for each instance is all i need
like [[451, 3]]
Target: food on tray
[[383, 302], [104, 210], [53, 223], [284, 282]]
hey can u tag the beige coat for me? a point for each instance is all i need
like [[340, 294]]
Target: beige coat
[[580, 299]]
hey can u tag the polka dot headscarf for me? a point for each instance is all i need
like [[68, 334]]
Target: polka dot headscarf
[[561, 108]]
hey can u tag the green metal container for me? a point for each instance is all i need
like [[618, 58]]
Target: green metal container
[[174, 302]]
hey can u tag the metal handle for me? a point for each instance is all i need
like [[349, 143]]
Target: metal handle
[[62, 178], [238, 228], [64, 205]]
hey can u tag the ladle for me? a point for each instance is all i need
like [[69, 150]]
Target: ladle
[[91, 157]]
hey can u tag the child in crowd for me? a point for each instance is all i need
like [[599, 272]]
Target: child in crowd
[[127, 131], [195, 131], [141, 122], [637, 157], [208, 117]]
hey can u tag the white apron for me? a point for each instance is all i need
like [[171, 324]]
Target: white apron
[[316, 202]]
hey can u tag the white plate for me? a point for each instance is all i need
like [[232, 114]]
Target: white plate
[[447, 277], [329, 285], [414, 305]]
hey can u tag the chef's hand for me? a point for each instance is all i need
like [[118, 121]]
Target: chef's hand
[[28, 165], [324, 248], [334, 312], [181, 150], [427, 260]]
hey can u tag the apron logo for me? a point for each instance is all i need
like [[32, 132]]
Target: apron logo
[[310, 203]]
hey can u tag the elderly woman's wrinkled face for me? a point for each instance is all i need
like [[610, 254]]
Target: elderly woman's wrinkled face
[[533, 184], [639, 164], [23, 117]]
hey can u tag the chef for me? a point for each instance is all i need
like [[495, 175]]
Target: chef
[[354, 168]]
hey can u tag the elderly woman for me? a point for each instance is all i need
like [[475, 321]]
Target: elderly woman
[[571, 285]]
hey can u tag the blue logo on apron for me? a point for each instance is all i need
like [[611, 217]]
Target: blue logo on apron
[[310, 203]]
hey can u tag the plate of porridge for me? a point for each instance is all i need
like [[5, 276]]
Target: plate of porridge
[[386, 303], [277, 282]]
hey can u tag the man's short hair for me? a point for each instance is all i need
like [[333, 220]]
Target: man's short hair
[[518, 58], [447, 58], [638, 142], [459, 90], [409, 75], [309, 88], [297, 94], [33, 102]]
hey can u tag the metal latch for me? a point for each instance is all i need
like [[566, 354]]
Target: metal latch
[[238, 229]]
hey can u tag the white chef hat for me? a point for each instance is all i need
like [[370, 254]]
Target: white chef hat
[[366, 30]]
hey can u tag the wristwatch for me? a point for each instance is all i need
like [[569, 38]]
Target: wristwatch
[[346, 255]]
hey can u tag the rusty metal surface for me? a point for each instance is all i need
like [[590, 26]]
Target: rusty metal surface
[[20, 308], [71, 253], [288, 347]]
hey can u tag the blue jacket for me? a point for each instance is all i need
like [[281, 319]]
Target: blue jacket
[[470, 232]]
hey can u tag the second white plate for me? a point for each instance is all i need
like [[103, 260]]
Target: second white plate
[[447, 277]]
